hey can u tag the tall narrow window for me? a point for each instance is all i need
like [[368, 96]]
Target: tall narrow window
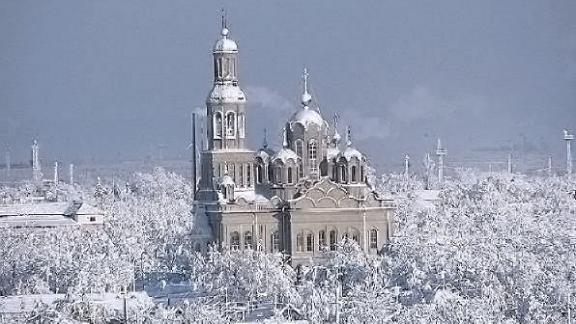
[[241, 176], [343, 173], [298, 147], [333, 240], [241, 125], [290, 180], [362, 173], [312, 156], [373, 238], [230, 124], [247, 240], [299, 242], [321, 239], [217, 125], [353, 173], [220, 67], [248, 179], [309, 242], [259, 173], [275, 241], [234, 240]]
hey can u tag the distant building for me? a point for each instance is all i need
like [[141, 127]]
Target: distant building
[[301, 199], [50, 214]]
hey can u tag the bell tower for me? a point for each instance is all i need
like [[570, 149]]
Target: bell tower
[[225, 123]]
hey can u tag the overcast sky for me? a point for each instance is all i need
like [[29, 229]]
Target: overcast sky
[[113, 79]]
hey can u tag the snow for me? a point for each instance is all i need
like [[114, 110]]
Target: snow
[[349, 153], [307, 117], [284, 155], [225, 44], [332, 152], [226, 92], [44, 214], [251, 196]]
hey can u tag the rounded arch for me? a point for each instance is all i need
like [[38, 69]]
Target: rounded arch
[[217, 124], [373, 238], [248, 240], [231, 124]]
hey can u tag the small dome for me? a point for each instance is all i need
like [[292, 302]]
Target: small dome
[[332, 152], [306, 117], [226, 92], [226, 180], [284, 155], [350, 153], [225, 44], [306, 99], [264, 154]]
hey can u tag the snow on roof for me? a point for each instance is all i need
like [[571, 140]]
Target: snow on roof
[[264, 154], [350, 152], [306, 117], [226, 92], [225, 44], [37, 221], [251, 196], [332, 152], [284, 155], [45, 209]]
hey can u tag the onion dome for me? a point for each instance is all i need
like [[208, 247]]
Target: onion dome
[[265, 153], [350, 152], [285, 153], [307, 116], [225, 44], [226, 93]]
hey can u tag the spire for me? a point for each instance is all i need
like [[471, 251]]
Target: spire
[[306, 97], [265, 140], [285, 138], [225, 30], [348, 136], [336, 137]]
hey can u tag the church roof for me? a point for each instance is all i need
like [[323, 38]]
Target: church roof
[[225, 44], [284, 155], [350, 152], [307, 117]]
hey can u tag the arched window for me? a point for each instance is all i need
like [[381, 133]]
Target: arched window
[[217, 125], [219, 68], [278, 174], [247, 240], [333, 240], [362, 173], [235, 241], [241, 125], [342, 173], [298, 147], [290, 180], [321, 239], [373, 238], [230, 124], [299, 242], [312, 155], [248, 175], [240, 181], [275, 241], [309, 242], [353, 173], [259, 173]]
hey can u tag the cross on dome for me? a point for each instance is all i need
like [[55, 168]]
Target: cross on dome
[[306, 97]]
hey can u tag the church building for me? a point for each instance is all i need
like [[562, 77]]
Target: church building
[[302, 199]]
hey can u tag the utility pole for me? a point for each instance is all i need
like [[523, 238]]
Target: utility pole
[[440, 153], [510, 163], [550, 165], [56, 173], [568, 138]]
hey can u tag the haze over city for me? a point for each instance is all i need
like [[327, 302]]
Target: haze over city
[[117, 80]]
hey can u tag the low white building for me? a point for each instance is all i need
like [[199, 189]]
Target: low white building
[[50, 214]]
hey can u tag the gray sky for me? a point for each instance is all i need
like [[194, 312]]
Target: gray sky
[[114, 79]]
